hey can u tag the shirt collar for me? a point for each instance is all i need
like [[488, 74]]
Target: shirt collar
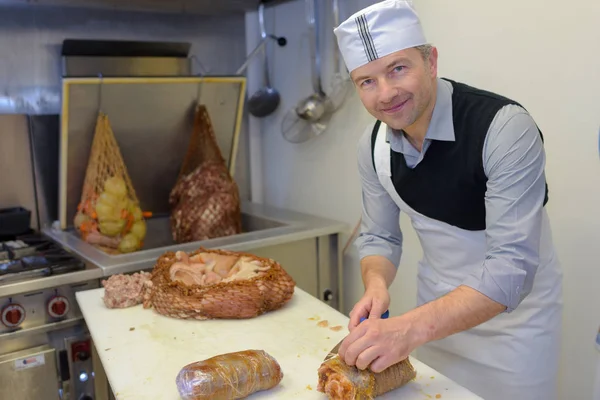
[[441, 126]]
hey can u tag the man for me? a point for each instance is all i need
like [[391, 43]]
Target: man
[[467, 167]]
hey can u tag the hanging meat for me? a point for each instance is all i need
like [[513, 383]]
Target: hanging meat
[[210, 284], [339, 381], [205, 205], [205, 201]]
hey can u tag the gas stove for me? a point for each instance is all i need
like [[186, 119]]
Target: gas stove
[[40, 321], [34, 255], [28, 257]]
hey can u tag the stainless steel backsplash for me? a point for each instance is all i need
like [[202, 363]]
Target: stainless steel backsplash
[[30, 82], [31, 40], [29, 165], [16, 167]]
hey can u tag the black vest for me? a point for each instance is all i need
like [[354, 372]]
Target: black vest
[[449, 184]]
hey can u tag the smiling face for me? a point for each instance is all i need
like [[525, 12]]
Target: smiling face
[[398, 89]]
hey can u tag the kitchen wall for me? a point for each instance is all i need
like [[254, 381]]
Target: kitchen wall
[[31, 40], [539, 52]]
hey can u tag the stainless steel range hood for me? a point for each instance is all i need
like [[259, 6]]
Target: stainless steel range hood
[[123, 58], [199, 7]]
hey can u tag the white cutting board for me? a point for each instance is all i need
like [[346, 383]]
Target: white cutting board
[[142, 352]]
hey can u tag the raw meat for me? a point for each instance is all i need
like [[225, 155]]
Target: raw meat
[[229, 376], [205, 205], [121, 291], [217, 284], [339, 381], [205, 201]]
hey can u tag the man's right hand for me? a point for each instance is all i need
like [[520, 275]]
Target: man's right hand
[[372, 305]]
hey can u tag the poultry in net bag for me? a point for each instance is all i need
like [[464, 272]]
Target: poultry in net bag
[[109, 215], [205, 201]]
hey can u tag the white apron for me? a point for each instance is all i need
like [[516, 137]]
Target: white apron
[[515, 355]]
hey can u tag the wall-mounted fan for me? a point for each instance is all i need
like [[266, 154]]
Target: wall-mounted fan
[[311, 115]]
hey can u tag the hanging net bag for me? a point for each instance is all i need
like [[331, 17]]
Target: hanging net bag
[[205, 201], [109, 215]]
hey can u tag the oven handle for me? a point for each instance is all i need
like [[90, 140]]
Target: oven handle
[[53, 326], [65, 374]]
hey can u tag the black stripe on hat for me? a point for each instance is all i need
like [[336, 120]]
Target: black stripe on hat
[[366, 38], [370, 38]]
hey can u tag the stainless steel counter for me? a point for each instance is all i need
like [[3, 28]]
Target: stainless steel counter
[[265, 226], [91, 272], [306, 246]]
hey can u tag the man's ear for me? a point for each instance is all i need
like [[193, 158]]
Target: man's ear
[[433, 62]]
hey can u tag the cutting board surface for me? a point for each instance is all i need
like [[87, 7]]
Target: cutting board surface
[[142, 352]]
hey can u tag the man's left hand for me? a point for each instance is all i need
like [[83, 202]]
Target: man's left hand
[[379, 343]]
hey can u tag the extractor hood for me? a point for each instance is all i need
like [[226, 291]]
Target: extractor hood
[[200, 7], [123, 58]]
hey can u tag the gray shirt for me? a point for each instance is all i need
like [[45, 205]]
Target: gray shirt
[[513, 161]]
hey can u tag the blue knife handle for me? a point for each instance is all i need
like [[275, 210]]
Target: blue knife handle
[[383, 316]]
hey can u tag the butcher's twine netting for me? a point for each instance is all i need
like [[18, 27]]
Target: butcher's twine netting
[[105, 161], [238, 299], [205, 201], [203, 146], [337, 376], [108, 214]]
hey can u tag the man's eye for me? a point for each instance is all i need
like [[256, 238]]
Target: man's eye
[[366, 82], [399, 68]]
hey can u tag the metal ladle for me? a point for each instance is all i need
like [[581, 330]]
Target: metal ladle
[[314, 106], [266, 100]]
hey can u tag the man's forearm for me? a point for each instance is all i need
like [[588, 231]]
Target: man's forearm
[[459, 310], [377, 271]]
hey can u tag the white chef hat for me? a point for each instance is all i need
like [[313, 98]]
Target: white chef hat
[[378, 30]]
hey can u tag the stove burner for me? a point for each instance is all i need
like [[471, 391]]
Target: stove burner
[[34, 256], [4, 254], [18, 248], [10, 267]]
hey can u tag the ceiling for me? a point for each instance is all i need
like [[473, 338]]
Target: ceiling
[[200, 7]]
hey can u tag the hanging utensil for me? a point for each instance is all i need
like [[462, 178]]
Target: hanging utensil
[[311, 115], [266, 100], [281, 41], [341, 85], [314, 106]]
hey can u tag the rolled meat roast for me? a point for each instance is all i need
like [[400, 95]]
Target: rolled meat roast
[[339, 381], [229, 376]]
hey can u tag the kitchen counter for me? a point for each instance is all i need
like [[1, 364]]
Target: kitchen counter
[[275, 226], [142, 351], [306, 245], [90, 272]]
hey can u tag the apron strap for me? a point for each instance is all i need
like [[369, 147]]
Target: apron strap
[[381, 154]]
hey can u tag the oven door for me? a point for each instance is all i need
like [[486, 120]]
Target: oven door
[[29, 374]]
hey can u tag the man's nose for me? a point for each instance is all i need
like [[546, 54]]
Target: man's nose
[[387, 91]]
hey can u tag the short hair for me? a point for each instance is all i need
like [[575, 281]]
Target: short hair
[[425, 50]]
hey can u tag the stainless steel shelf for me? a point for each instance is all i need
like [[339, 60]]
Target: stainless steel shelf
[[264, 226]]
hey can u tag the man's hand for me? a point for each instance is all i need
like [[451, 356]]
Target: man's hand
[[379, 343], [378, 274], [374, 302]]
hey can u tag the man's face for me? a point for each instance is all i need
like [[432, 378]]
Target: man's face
[[397, 88]]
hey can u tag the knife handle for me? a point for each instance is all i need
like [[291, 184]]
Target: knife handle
[[383, 316]]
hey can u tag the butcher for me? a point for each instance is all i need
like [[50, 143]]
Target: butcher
[[466, 165]]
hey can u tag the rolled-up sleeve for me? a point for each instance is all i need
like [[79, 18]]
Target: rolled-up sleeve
[[380, 227], [514, 162]]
